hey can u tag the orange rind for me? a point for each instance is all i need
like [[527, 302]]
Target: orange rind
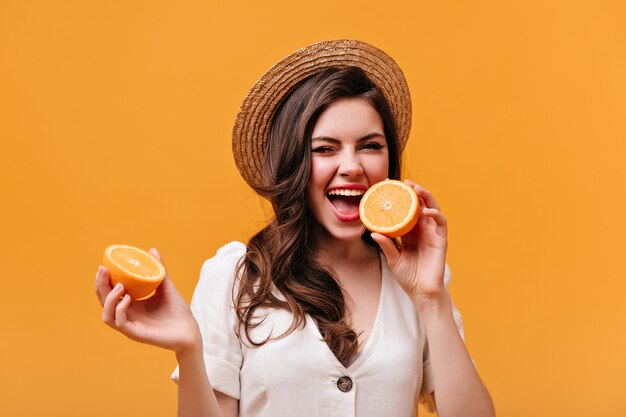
[[389, 207], [138, 270]]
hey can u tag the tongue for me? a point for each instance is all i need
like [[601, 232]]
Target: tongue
[[346, 204]]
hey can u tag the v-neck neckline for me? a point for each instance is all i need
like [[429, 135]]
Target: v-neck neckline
[[371, 340]]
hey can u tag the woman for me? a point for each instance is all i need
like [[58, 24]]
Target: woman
[[316, 316]]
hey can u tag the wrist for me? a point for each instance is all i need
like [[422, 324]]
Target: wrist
[[436, 313], [191, 349], [433, 303]]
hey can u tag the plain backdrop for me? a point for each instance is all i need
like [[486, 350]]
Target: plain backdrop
[[115, 124]]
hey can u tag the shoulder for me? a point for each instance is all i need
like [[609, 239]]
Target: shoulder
[[226, 257], [232, 250], [218, 272]]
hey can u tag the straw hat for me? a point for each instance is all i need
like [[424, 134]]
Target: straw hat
[[254, 120]]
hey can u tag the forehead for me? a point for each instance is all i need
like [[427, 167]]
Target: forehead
[[348, 118]]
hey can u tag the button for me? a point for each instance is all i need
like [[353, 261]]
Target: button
[[344, 384]]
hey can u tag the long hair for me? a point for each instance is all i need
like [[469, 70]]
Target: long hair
[[282, 255]]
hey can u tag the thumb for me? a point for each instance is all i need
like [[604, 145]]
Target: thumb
[[156, 254], [166, 285], [388, 247], [166, 282]]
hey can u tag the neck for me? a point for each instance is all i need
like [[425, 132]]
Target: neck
[[338, 253]]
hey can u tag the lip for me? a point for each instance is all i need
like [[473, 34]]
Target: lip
[[344, 217], [341, 216], [347, 187]]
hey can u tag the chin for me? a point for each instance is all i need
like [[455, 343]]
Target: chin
[[347, 235]]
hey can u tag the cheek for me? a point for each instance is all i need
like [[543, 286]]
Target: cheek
[[320, 173], [384, 169], [316, 181], [378, 169]]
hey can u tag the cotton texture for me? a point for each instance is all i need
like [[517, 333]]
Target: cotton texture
[[298, 374]]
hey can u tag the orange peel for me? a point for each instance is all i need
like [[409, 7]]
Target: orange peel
[[138, 270], [390, 207]]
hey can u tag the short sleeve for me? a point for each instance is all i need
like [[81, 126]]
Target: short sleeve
[[428, 385], [212, 307], [447, 277]]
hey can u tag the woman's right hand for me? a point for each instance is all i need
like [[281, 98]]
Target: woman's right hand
[[163, 320]]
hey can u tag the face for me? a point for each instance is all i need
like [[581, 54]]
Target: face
[[348, 154]]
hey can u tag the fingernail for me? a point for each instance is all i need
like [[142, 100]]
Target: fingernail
[[99, 269], [118, 286]]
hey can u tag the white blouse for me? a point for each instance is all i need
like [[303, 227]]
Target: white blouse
[[299, 374]]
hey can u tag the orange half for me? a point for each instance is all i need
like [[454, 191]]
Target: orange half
[[138, 270], [389, 207]]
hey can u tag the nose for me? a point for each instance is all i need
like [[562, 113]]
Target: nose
[[350, 166]]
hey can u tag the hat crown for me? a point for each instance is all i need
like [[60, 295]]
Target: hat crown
[[254, 120]]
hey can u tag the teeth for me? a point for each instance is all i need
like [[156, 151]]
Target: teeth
[[346, 192]]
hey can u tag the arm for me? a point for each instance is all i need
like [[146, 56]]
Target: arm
[[208, 366], [196, 397], [165, 320], [419, 267], [457, 385], [428, 399]]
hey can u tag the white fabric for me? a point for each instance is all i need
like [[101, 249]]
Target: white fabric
[[297, 375]]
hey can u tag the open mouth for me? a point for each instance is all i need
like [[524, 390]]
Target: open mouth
[[345, 201]]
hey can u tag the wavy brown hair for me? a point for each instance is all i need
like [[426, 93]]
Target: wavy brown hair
[[282, 255]]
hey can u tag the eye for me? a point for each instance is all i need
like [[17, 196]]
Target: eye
[[322, 149], [372, 145]]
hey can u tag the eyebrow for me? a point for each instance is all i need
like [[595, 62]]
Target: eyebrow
[[364, 138]]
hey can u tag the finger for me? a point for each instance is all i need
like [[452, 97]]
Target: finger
[[110, 302], [388, 248], [96, 288], [426, 195], [166, 285], [102, 284], [120, 311], [156, 253], [436, 216]]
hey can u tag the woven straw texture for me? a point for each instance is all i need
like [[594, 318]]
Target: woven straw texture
[[254, 120]]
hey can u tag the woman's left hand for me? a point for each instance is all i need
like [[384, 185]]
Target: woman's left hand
[[419, 265]]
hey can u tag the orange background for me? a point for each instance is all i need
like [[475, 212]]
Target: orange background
[[115, 122]]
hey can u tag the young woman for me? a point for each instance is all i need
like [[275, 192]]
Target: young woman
[[316, 316]]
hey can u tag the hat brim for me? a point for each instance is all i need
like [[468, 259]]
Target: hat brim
[[254, 119]]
